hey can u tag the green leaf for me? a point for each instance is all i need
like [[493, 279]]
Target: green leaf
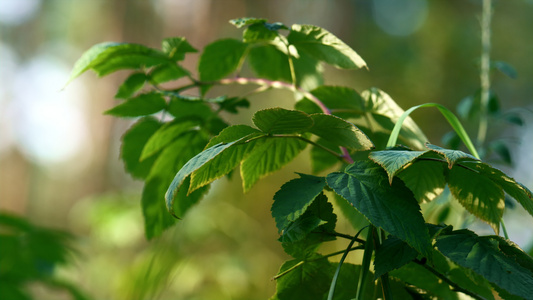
[[171, 159], [501, 149], [309, 280], [258, 33], [392, 254], [343, 102], [340, 132], [505, 68], [177, 47], [324, 46], [192, 165], [451, 156], [478, 194], [189, 110], [109, 57], [269, 62], [228, 159], [142, 105], [394, 160], [164, 136], [220, 58], [241, 22], [294, 197], [232, 104], [483, 256], [391, 207], [425, 179], [322, 159], [282, 121], [268, 157], [387, 113], [133, 143], [131, 85], [513, 188], [168, 72]]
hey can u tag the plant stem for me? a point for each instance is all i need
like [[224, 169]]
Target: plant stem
[[484, 71], [448, 281], [365, 268]]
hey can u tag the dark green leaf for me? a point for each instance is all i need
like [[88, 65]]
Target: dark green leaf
[[513, 118], [309, 280], [393, 161], [133, 143], [322, 159], [232, 104], [258, 33], [392, 254], [168, 72], [505, 68], [282, 121], [268, 157], [340, 132], [131, 85], [391, 207], [324, 46], [425, 179], [500, 148], [293, 198], [220, 58], [189, 110], [142, 105], [177, 47], [482, 255]]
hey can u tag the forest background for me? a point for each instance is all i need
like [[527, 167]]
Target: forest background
[[59, 163]]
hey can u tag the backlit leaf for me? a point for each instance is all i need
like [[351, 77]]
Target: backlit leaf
[[483, 256], [168, 72], [425, 179], [393, 161], [391, 207], [340, 132], [164, 136], [478, 194], [451, 156], [282, 121], [268, 157], [177, 47], [258, 33], [142, 105], [220, 58], [293, 198], [324, 46], [241, 22]]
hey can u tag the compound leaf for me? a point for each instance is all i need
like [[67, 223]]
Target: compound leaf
[[142, 105], [340, 132], [220, 58], [324, 46], [389, 206]]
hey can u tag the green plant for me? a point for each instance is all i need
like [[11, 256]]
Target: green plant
[[180, 144]]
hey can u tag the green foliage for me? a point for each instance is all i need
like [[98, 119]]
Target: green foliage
[[181, 144]]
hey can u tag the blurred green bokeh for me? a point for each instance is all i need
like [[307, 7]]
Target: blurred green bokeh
[[59, 162]]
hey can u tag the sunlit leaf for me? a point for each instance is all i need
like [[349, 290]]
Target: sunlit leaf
[[268, 157], [391, 207], [340, 132], [324, 46], [220, 58], [177, 47], [425, 179], [451, 156], [282, 121], [241, 22], [258, 33], [164, 136], [393, 161], [483, 256], [131, 85], [168, 72], [142, 105], [293, 198]]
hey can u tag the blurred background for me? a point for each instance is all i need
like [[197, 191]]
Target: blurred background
[[59, 163]]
